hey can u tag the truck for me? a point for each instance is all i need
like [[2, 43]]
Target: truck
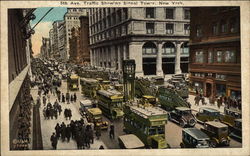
[[73, 83], [89, 87], [94, 115], [147, 123], [111, 103]]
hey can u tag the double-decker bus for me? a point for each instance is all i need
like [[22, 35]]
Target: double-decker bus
[[111, 103], [73, 82], [148, 124], [89, 87]]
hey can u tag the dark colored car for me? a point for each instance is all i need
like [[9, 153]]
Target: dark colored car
[[217, 132], [194, 138], [237, 130], [183, 116]]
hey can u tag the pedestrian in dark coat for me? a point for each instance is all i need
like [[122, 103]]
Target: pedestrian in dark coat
[[63, 132], [63, 98], [71, 98], [53, 140], [59, 109], [75, 97], [69, 114], [57, 128], [67, 97], [68, 133], [66, 113], [112, 132]]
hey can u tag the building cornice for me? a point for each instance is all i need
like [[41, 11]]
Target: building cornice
[[216, 41]]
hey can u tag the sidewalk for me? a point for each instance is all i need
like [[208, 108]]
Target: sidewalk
[[47, 126], [196, 108]]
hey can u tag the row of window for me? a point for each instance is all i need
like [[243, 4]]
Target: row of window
[[215, 75], [167, 48], [105, 21], [228, 56], [150, 28], [169, 13], [117, 32], [222, 27]]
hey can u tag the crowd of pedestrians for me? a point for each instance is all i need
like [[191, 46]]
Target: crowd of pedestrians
[[228, 102], [77, 130]]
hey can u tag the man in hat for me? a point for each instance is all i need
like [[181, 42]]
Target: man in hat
[[53, 140]]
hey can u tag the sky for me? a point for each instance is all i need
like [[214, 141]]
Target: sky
[[42, 29]]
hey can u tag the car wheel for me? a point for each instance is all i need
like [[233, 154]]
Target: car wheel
[[213, 144], [182, 145], [192, 122], [182, 123]]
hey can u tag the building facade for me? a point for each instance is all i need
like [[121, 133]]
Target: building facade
[[61, 40], [156, 38], [45, 48], [71, 19], [215, 54], [56, 39], [84, 57], [74, 45], [19, 52], [51, 38]]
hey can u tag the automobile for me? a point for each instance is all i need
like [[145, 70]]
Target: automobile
[[230, 114], [236, 131], [94, 115], [130, 141], [183, 116], [217, 132], [84, 105], [194, 138], [207, 114]]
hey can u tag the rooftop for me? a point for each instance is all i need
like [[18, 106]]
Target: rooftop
[[209, 109], [147, 111], [109, 92], [89, 80], [196, 133], [131, 141], [216, 124], [183, 108]]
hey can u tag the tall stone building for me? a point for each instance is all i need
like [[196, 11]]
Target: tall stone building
[[19, 52], [45, 48], [155, 37], [215, 54], [61, 40], [74, 45], [84, 57], [71, 19], [56, 39], [51, 38]]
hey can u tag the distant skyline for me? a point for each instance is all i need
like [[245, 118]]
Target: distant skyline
[[42, 29]]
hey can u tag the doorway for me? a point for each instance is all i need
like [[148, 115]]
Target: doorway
[[208, 89]]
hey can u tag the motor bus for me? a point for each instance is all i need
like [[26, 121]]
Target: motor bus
[[73, 83], [148, 124], [111, 103], [89, 87]]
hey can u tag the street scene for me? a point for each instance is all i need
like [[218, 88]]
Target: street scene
[[124, 78]]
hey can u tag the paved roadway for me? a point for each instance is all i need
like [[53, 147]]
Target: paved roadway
[[172, 130]]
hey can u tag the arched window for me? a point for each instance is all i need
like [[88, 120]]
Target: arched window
[[149, 48], [168, 48], [185, 48]]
